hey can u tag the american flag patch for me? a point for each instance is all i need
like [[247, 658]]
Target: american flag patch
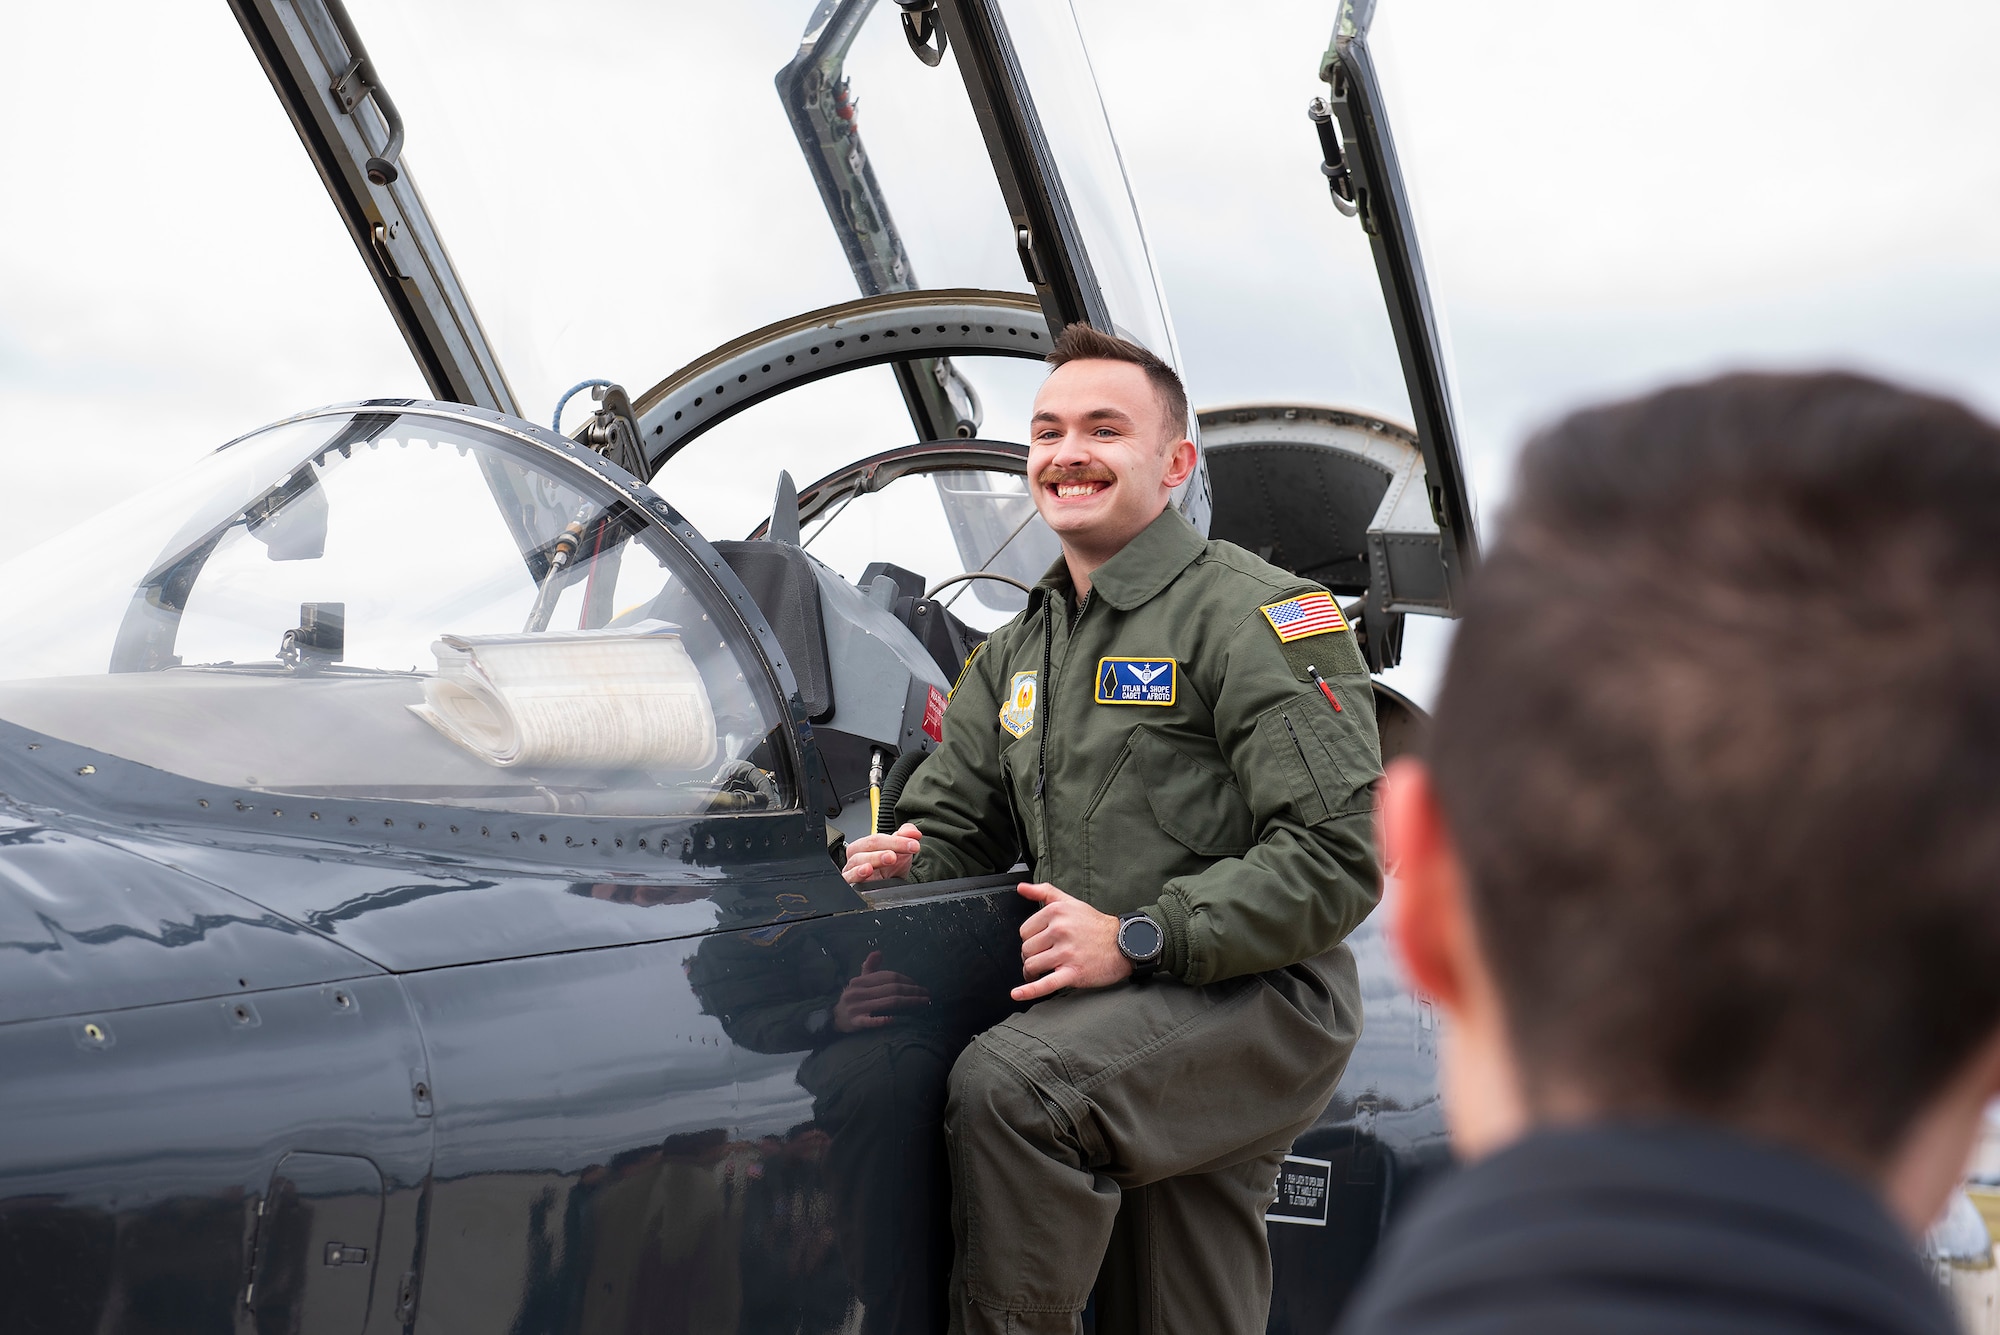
[[1307, 614]]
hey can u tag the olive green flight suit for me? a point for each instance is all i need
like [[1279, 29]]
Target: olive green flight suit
[[1159, 748]]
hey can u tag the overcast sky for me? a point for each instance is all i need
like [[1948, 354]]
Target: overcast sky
[[1612, 196]]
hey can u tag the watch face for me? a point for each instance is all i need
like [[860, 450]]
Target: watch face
[[1139, 938]]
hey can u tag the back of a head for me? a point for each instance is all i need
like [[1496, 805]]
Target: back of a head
[[1720, 747]]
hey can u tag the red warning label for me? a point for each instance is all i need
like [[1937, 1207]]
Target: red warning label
[[934, 715]]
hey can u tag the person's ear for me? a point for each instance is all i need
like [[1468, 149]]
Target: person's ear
[[1180, 462], [1431, 928], [1936, 1149], [1428, 920]]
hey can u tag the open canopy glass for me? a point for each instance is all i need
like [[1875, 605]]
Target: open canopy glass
[[825, 158]]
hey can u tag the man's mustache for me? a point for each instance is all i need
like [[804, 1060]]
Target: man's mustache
[[1055, 475]]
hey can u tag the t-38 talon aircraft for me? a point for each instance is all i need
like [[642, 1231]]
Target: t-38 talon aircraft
[[419, 903]]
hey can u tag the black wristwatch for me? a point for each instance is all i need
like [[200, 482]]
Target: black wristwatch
[[1141, 941]]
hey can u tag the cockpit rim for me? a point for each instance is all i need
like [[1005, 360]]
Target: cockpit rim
[[676, 410], [877, 471]]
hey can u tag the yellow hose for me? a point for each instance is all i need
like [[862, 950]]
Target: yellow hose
[[874, 791]]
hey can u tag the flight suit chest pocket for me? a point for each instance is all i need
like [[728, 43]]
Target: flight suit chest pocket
[[1196, 802], [1017, 767]]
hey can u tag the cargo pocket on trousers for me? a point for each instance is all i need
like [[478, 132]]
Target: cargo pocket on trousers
[[1201, 808]]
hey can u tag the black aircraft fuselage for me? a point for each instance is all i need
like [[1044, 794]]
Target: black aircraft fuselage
[[341, 1065]]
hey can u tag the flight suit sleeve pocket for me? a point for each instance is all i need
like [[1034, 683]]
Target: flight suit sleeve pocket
[[1352, 744], [1325, 764], [1199, 806], [1281, 747]]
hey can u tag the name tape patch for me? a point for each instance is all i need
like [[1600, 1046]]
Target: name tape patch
[[1137, 681], [1307, 614], [1017, 712]]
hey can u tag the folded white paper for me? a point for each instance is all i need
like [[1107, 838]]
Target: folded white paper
[[629, 698]]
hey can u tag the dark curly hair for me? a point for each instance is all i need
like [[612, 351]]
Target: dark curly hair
[[1719, 744]]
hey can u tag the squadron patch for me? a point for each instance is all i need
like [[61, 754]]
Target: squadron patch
[[1017, 713], [1136, 681], [1307, 614]]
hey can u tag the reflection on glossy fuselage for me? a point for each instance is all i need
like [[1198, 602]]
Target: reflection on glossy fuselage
[[876, 1075]]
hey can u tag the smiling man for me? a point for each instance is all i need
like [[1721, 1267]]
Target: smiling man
[[1179, 741]]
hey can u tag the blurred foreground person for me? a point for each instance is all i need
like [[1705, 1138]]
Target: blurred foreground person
[[1705, 865]]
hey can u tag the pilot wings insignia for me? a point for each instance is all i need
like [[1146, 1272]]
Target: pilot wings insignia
[[1136, 681]]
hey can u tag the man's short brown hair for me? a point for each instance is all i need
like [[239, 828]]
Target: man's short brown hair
[[1720, 747], [1080, 342]]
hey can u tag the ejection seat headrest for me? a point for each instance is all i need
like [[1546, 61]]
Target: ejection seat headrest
[[779, 578]]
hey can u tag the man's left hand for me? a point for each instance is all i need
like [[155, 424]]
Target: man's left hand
[[1067, 943]]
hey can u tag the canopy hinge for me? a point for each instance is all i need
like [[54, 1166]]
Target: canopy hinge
[[1333, 161], [922, 30], [613, 431]]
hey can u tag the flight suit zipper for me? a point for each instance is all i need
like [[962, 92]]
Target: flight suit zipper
[[1042, 727], [1045, 699], [1042, 702]]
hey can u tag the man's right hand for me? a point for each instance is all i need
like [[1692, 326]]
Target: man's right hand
[[881, 857]]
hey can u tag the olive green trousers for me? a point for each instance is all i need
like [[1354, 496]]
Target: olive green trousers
[[1128, 1140]]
